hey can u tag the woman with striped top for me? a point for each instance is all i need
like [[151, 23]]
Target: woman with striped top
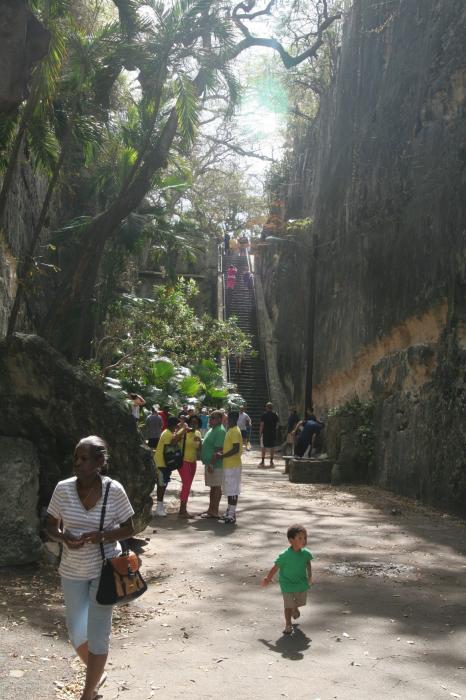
[[74, 519]]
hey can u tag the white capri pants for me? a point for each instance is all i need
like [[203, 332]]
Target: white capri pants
[[86, 619]]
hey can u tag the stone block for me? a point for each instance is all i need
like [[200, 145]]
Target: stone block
[[19, 494], [54, 404], [310, 471]]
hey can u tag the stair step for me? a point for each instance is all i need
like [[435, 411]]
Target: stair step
[[251, 381]]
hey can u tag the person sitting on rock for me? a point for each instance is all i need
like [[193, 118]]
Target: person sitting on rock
[[136, 403]]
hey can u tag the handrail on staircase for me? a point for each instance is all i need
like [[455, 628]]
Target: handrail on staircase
[[261, 340], [225, 361]]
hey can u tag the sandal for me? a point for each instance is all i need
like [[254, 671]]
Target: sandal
[[208, 516], [186, 516], [288, 630], [103, 679]]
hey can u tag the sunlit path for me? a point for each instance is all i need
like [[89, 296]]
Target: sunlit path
[[385, 617]]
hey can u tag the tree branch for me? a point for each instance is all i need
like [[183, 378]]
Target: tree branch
[[287, 59], [238, 149], [250, 16]]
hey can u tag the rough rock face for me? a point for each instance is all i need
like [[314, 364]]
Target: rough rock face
[[349, 459], [23, 205], [23, 42], [420, 400], [47, 401], [382, 174], [19, 491]]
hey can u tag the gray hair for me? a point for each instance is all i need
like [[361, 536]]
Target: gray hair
[[98, 446]]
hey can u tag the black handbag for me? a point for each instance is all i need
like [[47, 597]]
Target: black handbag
[[120, 578], [173, 455]]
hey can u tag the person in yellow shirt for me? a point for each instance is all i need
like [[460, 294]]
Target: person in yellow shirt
[[232, 449], [168, 437], [192, 445]]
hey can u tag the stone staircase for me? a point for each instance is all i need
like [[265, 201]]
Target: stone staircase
[[251, 381]]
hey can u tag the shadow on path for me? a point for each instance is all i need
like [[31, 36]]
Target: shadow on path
[[290, 646]]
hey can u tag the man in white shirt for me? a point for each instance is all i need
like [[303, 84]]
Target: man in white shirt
[[244, 424]]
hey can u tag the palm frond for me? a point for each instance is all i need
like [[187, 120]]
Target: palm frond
[[8, 126], [50, 9], [224, 33], [233, 86], [43, 143], [126, 161], [87, 132], [187, 107], [52, 66]]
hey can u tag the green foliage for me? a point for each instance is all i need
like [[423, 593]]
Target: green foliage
[[102, 110], [161, 372], [191, 386], [363, 413], [187, 108], [161, 348]]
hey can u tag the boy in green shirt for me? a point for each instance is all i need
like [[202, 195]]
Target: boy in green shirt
[[294, 565]]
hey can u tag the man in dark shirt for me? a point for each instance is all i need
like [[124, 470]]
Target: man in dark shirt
[[308, 435], [268, 432]]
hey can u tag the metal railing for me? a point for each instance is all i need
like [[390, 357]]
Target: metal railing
[[222, 310], [262, 345]]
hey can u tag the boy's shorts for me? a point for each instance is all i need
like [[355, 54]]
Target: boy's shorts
[[244, 434], [163, 476], [231, 481], [213, 478], [295, 600]]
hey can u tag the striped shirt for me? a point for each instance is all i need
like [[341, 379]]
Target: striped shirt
[[65, 504]]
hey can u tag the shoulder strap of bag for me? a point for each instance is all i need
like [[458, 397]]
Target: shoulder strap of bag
[[102, 516]]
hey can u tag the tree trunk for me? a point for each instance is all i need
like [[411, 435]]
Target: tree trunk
[[26, 267], [70, 318]]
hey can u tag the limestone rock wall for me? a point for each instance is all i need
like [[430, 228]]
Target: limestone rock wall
[[22, 210], [19, 489], [52, 404], [382, 174], [23, 42]]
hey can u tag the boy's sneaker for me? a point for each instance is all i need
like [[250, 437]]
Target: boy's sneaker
[[160, 510]]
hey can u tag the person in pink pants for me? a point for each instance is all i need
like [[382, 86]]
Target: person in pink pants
[[192, 446]]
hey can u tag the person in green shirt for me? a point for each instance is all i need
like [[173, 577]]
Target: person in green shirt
[[211, 455], [294, 565]]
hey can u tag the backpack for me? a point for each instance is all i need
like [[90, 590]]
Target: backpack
[[173, 455]]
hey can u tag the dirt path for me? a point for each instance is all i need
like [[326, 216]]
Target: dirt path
[[385, 618]]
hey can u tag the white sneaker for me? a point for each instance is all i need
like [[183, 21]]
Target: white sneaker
[[160, 510]]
